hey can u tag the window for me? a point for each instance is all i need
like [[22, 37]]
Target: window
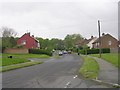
[[109, 42], [23, 42], [97, 44]]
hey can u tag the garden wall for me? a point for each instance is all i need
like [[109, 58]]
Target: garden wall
[[16, 50]]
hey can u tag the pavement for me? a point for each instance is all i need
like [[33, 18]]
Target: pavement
[[53, 73], [107, 73]]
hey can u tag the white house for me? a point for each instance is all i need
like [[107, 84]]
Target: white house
[[91, 41]]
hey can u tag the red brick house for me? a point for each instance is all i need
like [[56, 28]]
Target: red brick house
[[107, 41], [28, 41]]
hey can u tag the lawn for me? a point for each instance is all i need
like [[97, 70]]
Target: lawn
[[110, 57], [19, 58], [90, 68]]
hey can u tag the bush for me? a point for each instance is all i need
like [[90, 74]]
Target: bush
[[95, 51], [40, 51], [105, 50]]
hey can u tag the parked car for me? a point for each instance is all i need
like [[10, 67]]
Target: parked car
[[60, 53], [65, 52], [69, 52]]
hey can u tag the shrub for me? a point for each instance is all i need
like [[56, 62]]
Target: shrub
[[95, 51], [105, 50], [40, 51]]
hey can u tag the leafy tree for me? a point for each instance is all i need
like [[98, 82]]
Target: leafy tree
[[70, 40]]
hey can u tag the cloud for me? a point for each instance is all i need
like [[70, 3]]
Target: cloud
[[56, 19]]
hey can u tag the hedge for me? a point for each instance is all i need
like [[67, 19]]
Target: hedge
[[40, 51], [95, 51]]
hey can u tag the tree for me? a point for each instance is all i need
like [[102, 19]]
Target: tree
[[8, 32], [54, 43], [8, 39], [70, 40]]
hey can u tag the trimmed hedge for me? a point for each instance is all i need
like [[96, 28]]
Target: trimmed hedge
[[95, 51], [40, 51]]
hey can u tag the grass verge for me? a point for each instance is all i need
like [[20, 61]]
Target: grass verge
[[109, 57], [19, 58], [56, 56], [90, 68], [12, 67]]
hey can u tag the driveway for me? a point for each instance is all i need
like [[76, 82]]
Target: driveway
[[54, 73]]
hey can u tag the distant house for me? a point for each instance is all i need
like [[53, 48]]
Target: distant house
[[87, 42], [81, 43], [91, 40], [28, 41], [107, 41]]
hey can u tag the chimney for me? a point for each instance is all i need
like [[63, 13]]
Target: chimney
[[103, 34], [28, 33], [33, 36], [91, 37]]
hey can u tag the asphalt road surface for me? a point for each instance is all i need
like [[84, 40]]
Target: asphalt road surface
[[53, 73]]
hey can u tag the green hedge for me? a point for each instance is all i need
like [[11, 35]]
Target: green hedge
[[95, 51], [40, 51]]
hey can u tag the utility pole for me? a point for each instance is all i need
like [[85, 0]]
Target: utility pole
[[99, 38]]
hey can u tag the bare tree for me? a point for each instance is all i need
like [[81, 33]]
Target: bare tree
[[8, 32]]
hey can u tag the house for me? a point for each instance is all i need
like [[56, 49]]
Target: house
[[81, 43], [107, 41], [91, 40], [87, 42], [28, 41]]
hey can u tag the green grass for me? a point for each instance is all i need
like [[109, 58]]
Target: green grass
[[110, 57], [19, 58], [16, 66], [56, 56], [90, 68]]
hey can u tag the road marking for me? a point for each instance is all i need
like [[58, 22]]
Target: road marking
[[65, 87], [75, 76], [68, 83]]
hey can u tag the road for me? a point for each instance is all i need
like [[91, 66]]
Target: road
[[54, 73]]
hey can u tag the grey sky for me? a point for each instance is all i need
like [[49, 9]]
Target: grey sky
[[56, 19]]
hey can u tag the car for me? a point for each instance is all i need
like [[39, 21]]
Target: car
[[69, 52], [65, 52], [60, 53]]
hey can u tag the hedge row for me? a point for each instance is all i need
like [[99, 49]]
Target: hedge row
[[94, 51], [40, 51]]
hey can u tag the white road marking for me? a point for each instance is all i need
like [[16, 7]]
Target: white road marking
[[75, 76], [68, 83]]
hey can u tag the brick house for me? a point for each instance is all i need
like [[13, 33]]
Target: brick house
[[107, 41], [82, 42], [28, 41]]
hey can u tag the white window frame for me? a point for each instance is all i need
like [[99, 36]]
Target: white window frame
[[110, 43], [23, 42]]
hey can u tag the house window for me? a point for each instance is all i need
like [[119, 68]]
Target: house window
[[109, 42], [97, 44], [23, 42]]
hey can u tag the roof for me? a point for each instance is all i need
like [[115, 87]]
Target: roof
[[30, 36], [83, 42], [97, 40]]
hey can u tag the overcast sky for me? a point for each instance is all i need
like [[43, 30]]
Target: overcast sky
[[57, 18]]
